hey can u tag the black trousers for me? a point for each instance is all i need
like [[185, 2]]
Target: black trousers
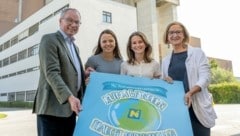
[[198, 128], [55, 126]]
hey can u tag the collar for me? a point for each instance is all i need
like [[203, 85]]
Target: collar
[[66, 38]]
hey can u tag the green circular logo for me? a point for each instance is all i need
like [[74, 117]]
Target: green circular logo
[[134, 115]]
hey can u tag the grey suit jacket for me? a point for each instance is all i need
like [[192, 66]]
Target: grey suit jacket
[[58, 77]]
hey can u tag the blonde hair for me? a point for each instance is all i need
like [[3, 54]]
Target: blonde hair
[[184, 29]]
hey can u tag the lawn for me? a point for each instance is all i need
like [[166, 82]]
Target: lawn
[[2, 115]]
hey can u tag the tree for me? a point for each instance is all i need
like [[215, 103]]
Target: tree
[[213, 64], [220, 75]]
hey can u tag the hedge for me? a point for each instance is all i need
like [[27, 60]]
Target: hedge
[[225, 93], [17, 104]]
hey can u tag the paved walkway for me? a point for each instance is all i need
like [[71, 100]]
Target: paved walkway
[[21, 122], [228, 122]]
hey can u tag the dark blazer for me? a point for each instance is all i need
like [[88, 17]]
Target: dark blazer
[[58, 77]]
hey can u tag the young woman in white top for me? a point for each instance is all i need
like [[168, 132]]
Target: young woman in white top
[[140, 63]]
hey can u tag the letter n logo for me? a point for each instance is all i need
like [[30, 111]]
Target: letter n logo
[[134, 114]]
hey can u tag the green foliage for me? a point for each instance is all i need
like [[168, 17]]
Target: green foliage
[[16, 104], [224, 86], [220, 75], [225, 93], [213, 64]]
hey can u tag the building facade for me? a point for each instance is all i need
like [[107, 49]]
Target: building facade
[[13, 12], [19, 63]]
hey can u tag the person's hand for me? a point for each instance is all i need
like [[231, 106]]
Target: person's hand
[[88, 71], [188, 99], [75, 104], [87, 80], [156, 76], [168, 79], [188, 96]]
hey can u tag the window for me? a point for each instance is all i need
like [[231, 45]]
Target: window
[[1, 47], [46, 18], [6, 45], [0, 63], [32, 69], [5, 76], [3, 94], [11, 96], [5, 61], [22, 55], [12, 74], [107, 17], [60, 10], [33, 50], [30, 95], [14, 40], [21, 72], [33, 29], [23, 35], [20, 96], [13, 58]]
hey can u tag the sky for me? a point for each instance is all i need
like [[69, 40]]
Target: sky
[[217, 24]]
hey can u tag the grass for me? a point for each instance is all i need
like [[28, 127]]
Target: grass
[[2, 115]]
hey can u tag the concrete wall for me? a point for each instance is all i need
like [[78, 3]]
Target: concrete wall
[[31, 6], [166, 13], [195, 41], [11, 13], [8, 15], [152, 18], [224, 64], [148, 24]]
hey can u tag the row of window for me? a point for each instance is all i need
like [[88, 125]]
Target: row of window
[[23, 35], [20, 96], [20, 72], [34, 49], [53, 14], [29, 95], [28, 32], [106, 17], [31, 51]]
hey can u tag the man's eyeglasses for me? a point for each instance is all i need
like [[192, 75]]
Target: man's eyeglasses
[[71, 21], [178, 32]]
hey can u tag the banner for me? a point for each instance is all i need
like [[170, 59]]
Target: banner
[[120, 105]]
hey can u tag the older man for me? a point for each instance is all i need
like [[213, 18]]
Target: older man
[[61, 84]]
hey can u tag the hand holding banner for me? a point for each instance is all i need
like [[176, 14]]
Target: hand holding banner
[[119, 105]]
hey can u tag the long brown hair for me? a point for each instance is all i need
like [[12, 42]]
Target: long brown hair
[[148, 50], [116, 51]]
